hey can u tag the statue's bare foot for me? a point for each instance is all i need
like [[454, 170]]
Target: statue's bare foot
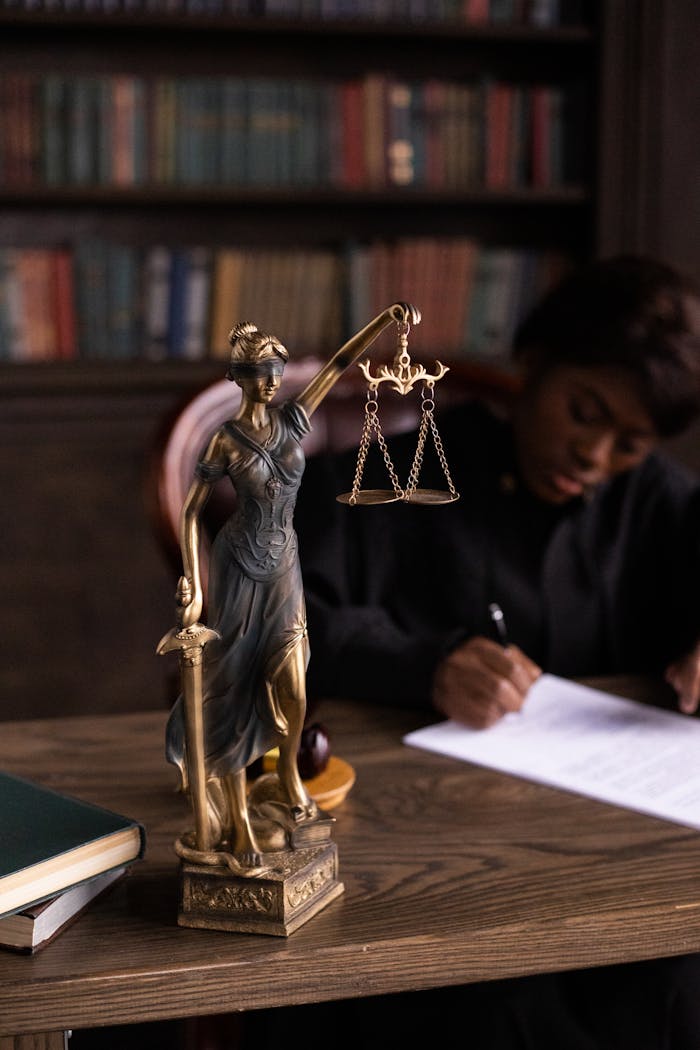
[[307, 811], [244, 846], [249, 858]]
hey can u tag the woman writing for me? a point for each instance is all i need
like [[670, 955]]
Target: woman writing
[[570, 519], [588, 537]]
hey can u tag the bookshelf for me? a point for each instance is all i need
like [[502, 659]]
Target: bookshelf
[[313, 139], [89, 594]]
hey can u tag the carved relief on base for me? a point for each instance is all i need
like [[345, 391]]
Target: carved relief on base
[[295, 886]]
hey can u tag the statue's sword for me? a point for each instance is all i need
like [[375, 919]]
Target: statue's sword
[[189, 644]]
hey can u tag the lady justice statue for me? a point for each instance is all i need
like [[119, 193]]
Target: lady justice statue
[[258, 861]]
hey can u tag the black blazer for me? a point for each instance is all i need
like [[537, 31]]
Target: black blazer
[[607, 586]]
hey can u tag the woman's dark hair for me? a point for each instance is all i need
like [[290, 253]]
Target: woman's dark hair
[[630, 312]]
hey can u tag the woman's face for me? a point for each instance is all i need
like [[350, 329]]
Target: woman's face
[[262, 388], [576, 428]]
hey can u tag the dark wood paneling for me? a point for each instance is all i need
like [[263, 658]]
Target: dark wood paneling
[[649, 148], [86, 591]]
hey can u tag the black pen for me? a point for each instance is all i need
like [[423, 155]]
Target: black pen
[[499, 623]]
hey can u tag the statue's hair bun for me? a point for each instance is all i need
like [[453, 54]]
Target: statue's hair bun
[[242, 328]]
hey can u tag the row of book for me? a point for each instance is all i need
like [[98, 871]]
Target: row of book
[[108, 301], [546, 13], [58, 854], [363, 133]]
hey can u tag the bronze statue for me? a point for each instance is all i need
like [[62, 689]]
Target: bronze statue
[[246, 671]]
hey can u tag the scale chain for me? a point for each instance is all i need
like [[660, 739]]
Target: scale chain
[[428, 421], [437, 440], [398, 491], [414, 474], [370, 424]]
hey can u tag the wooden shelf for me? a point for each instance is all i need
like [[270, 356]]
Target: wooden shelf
[[58, 378], [206, 196], [269, 26]]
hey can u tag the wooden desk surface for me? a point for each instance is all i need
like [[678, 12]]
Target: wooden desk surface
[[452, 874]]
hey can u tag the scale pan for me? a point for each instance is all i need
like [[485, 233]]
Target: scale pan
[[431, 496], [369, 496]]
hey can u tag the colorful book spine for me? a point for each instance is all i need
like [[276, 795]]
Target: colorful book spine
[[35, 277], [14, 310], [163, 126], [123, 314], [83, 120], [176, 306], [541, 164], [354, 166], [63, 299], [499, 135], [156, 281], [400, 150], [374, 99], [225, 299], [197, 304]]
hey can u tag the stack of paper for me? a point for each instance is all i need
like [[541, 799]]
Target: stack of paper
[[584, 740]]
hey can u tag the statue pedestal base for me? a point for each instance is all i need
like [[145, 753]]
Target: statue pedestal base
[[296, 884]]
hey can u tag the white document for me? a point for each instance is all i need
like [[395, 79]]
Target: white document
[[584, 740]]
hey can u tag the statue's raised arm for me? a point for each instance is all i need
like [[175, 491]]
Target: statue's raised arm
[[352, 351]]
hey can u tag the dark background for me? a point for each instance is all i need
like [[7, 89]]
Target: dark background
[[85, 590]]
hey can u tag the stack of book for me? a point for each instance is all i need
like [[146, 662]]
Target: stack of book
[[58, 854]]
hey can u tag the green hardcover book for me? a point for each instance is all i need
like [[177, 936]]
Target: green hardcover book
[[304, 102], [83, 119], [234, 134], [186, 145], [262, 146], [482, 329], [91, 274], [50, 841], [123, 308]]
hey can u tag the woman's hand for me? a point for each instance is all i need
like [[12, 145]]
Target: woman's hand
[[684, 676], [480, 681], [189, 601]]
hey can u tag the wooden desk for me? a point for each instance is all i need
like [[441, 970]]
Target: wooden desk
[[453, 874]]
